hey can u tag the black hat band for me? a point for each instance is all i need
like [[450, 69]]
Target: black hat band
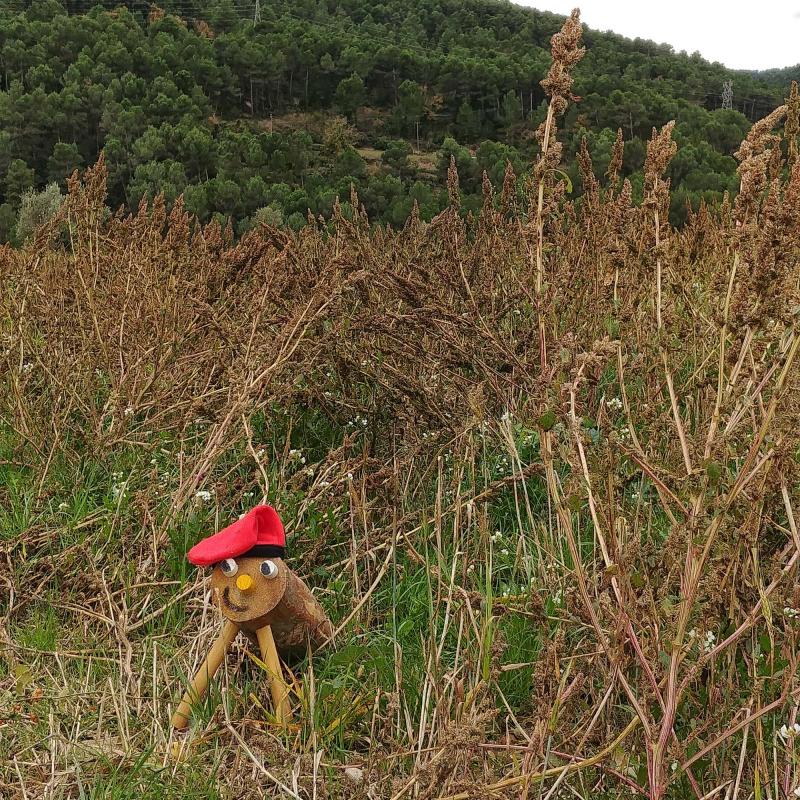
[[265, 551]]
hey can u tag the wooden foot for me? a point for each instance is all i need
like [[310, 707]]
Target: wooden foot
[[278, 687], [199, 686]]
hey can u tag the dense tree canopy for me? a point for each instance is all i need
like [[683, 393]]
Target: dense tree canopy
[[239, 116]]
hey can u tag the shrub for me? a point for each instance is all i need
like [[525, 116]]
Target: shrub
[[36, 209]]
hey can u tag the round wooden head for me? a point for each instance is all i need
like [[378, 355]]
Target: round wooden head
[[248, 588]]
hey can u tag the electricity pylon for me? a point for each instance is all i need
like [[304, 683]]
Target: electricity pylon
[[727, 94]]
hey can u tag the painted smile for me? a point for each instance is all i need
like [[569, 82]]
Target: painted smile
[[227, 600]]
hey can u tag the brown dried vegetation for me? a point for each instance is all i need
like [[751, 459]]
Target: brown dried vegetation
[[652, 375]]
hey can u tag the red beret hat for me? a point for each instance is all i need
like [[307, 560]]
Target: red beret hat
[[257, 533]]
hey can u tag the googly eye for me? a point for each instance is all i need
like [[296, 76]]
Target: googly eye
[[269, 569], [229, 567]]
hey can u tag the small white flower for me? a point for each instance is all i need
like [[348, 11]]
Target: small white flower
[[63, 506], [349, 476], [788, 732], [790, 612], [708, 643], [128, 412], [504, 552], [297, 455], [471, 568], [506, 416], [260, 453], [27, 367], [203, 495], [558, 597], [615, 403]]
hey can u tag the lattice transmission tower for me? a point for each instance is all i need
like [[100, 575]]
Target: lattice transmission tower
[[727, 94]]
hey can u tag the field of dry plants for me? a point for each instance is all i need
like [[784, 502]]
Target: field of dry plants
[[539, 465]]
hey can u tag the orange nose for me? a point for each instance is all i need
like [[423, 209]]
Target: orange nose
[[244, 583]]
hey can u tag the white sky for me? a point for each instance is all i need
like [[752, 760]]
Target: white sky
[[742, 35]]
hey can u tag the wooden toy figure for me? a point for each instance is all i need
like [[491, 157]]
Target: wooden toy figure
[[258, 594]]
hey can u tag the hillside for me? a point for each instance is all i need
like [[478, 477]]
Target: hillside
[[193, 104], [183, 105], [778, 77]]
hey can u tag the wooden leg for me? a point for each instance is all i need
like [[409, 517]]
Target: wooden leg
[[198, 687], [280, 700]]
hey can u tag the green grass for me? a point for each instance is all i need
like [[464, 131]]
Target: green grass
[[80, 536], [462, 619]]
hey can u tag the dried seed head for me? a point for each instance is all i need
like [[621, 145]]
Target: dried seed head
[[660, 150], [615, 164], [792, 126], [755, 155], [566, 54], [508, 195], [487, 189], [452, 185]]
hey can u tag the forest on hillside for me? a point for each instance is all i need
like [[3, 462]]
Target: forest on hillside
[[267, 115]]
